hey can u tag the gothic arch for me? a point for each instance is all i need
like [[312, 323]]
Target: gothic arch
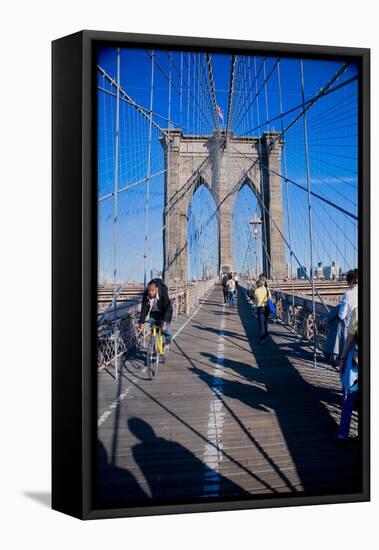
[[224, 164], [248, 182], [212, 222]]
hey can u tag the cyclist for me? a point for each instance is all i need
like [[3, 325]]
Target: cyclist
[[157, 304]]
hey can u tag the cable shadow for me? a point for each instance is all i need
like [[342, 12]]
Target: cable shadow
[[225, 333], [174, 472], [201, 436], [302, 417]]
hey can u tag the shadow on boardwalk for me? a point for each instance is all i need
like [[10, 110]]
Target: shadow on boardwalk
[[115, 486], [306, 425], [165, 466]]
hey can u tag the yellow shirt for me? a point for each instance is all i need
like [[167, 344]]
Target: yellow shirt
[[262, 294]]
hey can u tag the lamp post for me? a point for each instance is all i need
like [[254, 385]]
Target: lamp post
[[255, 223]]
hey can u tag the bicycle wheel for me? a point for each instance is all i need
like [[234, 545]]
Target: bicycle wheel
[[152, 358]]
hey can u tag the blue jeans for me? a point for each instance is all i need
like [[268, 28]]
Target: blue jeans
[[231, 298], [347, 411], [263, 314], [156, 317], [225, 293]]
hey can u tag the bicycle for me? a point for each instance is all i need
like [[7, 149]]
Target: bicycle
[[140, 341], [156, 350]]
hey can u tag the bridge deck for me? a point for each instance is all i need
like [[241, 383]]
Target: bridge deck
[[226, 417]]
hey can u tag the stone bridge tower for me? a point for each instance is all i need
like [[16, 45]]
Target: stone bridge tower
[[223, 163]]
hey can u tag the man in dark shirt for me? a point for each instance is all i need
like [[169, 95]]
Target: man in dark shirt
[[225, 288], [157, 304]]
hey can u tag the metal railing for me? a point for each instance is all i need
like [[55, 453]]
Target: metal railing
[[116, 332], [297, 313]]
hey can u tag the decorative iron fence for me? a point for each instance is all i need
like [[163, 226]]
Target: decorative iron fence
[[116, 330], [297, 313]]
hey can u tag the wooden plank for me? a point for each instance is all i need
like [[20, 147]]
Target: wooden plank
[[226, 416]]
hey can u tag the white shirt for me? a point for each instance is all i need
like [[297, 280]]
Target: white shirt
[[349, 302], [154, 303], [231, 284]]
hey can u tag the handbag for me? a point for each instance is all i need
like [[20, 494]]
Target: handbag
[[271, 305]]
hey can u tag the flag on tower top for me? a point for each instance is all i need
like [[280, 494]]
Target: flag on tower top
[[219, 112]]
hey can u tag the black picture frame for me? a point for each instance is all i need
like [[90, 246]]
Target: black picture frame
[[74, 253]]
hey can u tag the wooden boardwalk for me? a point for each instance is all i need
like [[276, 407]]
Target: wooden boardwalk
[[226, 417]]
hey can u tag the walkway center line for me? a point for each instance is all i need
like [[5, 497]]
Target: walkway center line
[[117, 402], [212, 456]]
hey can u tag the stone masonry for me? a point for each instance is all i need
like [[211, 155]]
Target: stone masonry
[[223, 163]]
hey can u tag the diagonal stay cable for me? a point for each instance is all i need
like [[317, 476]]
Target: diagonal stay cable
[[122, 92], [308, 103]]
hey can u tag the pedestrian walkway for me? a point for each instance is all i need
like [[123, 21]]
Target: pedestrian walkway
[[226, 417]]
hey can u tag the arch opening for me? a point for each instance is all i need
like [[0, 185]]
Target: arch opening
[[202, 234], [248, 249]]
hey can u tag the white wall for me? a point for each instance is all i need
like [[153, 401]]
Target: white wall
[[26, 31]]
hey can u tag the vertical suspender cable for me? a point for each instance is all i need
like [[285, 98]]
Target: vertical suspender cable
[[261, 170], [188, 123], [169, 89], [181, 92], [231, 89], [287, 194], [147, 197], [168, 267], [115, 214], [309, 216]]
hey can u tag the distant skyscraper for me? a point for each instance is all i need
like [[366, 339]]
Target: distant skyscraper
[[301, 272], [289, 271], [320, 271], [337, 270], [332, 271]]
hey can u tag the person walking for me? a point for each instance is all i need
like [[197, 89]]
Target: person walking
[[349, 370], [231, 285], [350, 298], [236, 278], [224, 281], [338, 320], [262, 294]]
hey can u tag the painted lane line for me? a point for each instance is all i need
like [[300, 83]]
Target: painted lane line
[[212, 455], [112, 407], [117, 402]]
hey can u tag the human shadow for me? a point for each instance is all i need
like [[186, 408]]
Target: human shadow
[[175, 473], [115, 486]]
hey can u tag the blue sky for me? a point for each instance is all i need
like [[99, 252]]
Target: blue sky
[[332, 137]]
